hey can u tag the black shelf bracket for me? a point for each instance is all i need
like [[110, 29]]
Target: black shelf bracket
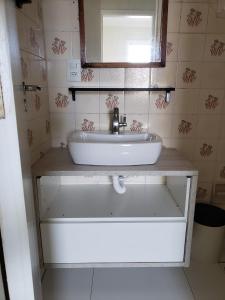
[[167, 90]]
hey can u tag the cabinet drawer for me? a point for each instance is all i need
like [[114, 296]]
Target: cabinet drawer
[[113, 242]]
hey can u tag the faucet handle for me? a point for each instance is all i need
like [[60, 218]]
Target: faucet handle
[[124, 118]]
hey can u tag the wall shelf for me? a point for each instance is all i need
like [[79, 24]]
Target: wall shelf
[[167, 90]]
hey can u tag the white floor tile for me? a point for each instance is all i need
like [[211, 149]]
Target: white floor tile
[[67, 284], [140, 284], [207, 281]]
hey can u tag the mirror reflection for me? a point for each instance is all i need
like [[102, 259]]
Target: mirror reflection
[[122, 31]]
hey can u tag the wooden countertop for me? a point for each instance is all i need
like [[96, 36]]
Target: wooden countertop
[[57, 162]]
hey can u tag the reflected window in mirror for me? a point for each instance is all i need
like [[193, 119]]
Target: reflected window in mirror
[[123, 33]]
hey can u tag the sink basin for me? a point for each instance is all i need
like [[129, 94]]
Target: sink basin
[[104, 148]]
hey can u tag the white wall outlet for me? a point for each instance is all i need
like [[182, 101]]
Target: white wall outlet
[[74, 70]]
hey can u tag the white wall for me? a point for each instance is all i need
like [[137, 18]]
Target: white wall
[[16, 196]]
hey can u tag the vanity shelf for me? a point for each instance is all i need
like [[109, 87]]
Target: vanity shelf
[[85, 224]]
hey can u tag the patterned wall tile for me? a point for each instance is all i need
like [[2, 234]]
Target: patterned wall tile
[[215, 48], [184, 126], [211, 101], [137, 122], [189, 75], [87, 122], [172, 47], [60, 101], [62, 124], [158, 103], [206, 149], [110, 100], [194, 17], [58, 45], [184, 146]]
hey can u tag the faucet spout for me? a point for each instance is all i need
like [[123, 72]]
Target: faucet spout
[[116, 124]]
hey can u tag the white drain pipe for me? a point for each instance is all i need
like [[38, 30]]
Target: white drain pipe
[[118, 184]]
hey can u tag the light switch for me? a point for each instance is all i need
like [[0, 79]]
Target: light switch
[[74, 70]]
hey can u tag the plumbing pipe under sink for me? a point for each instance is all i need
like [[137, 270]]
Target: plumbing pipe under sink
[[118, 184]]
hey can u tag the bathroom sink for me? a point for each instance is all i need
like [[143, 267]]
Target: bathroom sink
[[105, 148]]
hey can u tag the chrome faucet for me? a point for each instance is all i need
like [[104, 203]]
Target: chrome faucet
[[116, 124]]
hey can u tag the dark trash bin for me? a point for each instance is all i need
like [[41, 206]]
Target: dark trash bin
[[208, 233]]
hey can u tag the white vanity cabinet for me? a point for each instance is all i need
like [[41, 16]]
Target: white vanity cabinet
[[88, 225]]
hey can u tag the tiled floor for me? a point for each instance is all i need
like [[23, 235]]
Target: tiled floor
[[199, 282]]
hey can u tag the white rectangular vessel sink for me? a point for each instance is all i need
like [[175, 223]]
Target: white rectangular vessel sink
[[105, 148]]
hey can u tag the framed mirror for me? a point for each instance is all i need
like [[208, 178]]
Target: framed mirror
[[123, 33]]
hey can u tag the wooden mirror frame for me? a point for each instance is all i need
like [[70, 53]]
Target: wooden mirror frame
[[163, 37]]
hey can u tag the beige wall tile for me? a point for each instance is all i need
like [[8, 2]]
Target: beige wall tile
[[208, 126], [160, 124], [137, 122], [174, 13], [60, 15], [112, 77], [206, 149], [213, 75], [184, 146], [204, 192], [215, 24], [158, 104], [185, 101], [87, 102], [191, 47], [184, 126], [137, 78], [206, 171], [62, 124], [136, 102], [164, 76]]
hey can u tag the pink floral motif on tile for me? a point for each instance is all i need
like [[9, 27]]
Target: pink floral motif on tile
[[201, 193], [112, 101], [33, 39], [184, 127], [211, 102], [30, 137], [222, 173], [169, 48], [206, 150], [194, 18], [58, 46], [160, 102], [217, 48], [87, 125], [189, 75], [136, 126], [61, 100], [24, 68], [47, 126], [37, 102], [87, 75]]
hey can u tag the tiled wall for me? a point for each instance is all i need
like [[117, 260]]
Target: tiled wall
[[34, 71], [194, 121]]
